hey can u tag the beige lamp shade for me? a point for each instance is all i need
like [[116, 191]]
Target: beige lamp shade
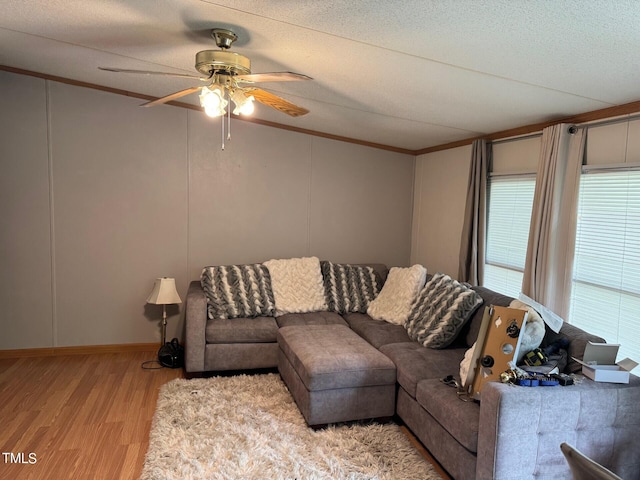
[[164, 292]]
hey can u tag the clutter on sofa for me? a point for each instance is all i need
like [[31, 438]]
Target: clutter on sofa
[[300, 327]]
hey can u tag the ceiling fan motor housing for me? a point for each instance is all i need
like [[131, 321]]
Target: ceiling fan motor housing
[[217, 61]]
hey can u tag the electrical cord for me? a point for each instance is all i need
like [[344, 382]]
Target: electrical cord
[[151, 362]]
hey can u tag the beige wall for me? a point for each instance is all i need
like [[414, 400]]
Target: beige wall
[[100, 197], [25, 236], [614, 144], [441, 183], [439, 200], [360, 207]]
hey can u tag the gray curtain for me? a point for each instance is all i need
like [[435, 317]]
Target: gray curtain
[[549, 263], [471, 259]]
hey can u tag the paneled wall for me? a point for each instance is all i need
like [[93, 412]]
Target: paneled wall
[[100, 197], [614, 144], [440, 194], [441, 184], [26, 241]]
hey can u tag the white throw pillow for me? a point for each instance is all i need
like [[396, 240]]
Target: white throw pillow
[[534, 330], [465, 364], [394, 301], [297, 285]]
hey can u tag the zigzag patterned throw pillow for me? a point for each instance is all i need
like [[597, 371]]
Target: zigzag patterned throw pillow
[[236, 291], [349, 288], [440, 311]]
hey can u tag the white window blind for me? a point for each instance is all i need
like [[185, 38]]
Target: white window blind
[[605, 297], [510, 201]]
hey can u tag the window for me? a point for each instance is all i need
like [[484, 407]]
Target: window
[[605, 297], [510, 201]]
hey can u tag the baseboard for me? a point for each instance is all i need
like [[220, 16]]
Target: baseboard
[[79, 350]]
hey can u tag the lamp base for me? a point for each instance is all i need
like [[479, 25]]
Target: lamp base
[[163, 338]]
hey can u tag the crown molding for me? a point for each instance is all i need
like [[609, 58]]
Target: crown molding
[[604, 113]]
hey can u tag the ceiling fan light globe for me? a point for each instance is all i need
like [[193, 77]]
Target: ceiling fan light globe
[[244, 107], [243, 102], [248, 107], [214, 111], [213, 101]]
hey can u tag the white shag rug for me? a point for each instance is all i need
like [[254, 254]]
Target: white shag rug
[[249, 427]]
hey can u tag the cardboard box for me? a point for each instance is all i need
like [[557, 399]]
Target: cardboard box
[[599, 363]]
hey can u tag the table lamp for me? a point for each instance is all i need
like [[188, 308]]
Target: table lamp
[[164, 293]]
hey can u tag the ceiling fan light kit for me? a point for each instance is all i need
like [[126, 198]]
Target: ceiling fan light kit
[[225, 72], [213, 101], [243, 102]]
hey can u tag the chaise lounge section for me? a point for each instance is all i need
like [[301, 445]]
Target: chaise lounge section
[[513, 433], [334, 375]]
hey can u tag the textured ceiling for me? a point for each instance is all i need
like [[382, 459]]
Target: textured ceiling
[[409, 74]]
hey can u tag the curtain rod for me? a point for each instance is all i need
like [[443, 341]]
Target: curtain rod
[[612, 121], [515, 139], [574, 127]]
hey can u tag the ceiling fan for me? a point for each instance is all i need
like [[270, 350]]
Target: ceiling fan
[[225, 75]]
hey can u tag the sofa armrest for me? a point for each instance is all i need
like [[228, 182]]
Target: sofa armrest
[[195, 325], [521, 428]]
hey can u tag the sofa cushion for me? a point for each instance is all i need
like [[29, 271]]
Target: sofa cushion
[[349, 288], [382, 271], [297, 285], [393, 304], [440, 311], [235, 291], [376, 332], [460, 419], [334, 357], [415, 362], [241, 330], [311, 318]]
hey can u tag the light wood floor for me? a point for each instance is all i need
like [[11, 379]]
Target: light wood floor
[[83, 416]]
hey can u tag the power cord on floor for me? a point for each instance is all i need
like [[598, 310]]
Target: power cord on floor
[[151, 362]]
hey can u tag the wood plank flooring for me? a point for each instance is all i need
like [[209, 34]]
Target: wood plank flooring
[[82, 416]]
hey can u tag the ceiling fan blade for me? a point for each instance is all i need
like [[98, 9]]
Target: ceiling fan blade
[[173, 96], [273, 101], [147, 72], [271, 77]]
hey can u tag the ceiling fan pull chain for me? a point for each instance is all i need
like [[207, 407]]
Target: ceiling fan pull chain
[[229, 122], [222, 129]]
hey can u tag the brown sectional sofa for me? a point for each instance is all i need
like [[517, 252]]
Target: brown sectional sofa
[[514, 433]]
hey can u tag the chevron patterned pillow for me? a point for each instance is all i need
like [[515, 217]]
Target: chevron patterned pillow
[[236, 291], [440, 311], [349, 288]]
